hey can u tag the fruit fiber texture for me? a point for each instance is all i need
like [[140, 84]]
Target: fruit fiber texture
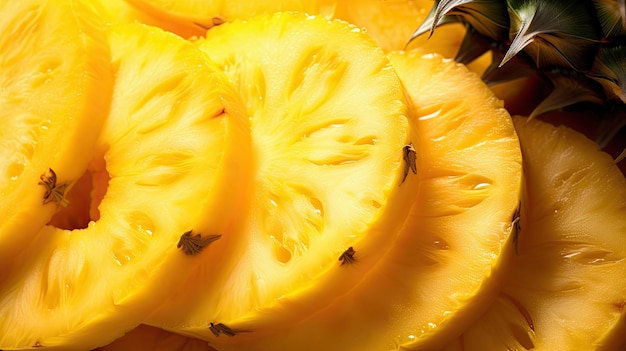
[[55, 92], [441, 237], [564, 289], [82, 288], [311, 175], [329, 127]]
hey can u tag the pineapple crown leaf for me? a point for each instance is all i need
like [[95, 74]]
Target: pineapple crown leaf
[[521, 66], [612, 16], [570, 87], [444, 7], [554, 33], [430, 23], [609, 69], [473, 46], [587, 37], [487, 17]]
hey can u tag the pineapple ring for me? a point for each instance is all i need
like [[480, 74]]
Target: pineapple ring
[[176, 148], [55, 90], [190, 18], [442, 270], [564, 288], [330, 132]]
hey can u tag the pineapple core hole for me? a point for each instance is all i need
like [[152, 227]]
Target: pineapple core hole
[[84, 198]]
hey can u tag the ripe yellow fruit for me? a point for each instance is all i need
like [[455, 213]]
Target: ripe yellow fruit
[[175, 151], [55, 89], [334, 169], [564, 286], [441, 271]]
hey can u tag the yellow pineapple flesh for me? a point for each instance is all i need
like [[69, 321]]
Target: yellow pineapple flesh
[[304, 198], [441, 270], [174, 149], [564, 285], [330, 128], [55, 89]]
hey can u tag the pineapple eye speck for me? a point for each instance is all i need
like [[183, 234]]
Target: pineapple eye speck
[[54, 192], [221, 328], [410, 160], [193, 245], [347, 257]]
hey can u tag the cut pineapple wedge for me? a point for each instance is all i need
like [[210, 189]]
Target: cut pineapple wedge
[[176, 151], [154, 339], [190, 18], [330, 131], [564, 288], [55, 90]]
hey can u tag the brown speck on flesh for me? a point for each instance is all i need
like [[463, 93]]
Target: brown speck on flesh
[[410, 160], [194, 244], [347, 256], [54, 192]]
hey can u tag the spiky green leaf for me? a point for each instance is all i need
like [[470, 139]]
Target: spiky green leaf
[[488, 17], [570, 87], [520, 66], [554, 33], [612, 17], [609, 69], [473, 46]]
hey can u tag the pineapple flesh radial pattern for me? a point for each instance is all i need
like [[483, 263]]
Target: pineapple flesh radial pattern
[[330, 130], [175, 147], [443, 268], [564, 288], [55, 91]]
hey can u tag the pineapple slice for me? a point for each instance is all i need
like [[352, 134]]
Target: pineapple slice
[[154, 339], [564, 288], [175, 152], [442, 271], [330, 133], [55, 90], [189, 18]]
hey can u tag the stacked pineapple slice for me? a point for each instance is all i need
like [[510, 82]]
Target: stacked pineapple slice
[[249, 178]]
